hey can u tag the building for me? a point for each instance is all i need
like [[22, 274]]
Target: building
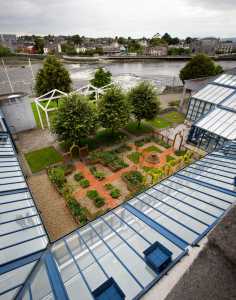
[[227, 47], [120, 255], [208, 46], [212, 110], [9, 41], [156, 50]]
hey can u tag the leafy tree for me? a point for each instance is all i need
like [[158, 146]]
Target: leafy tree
[[200, 65], [76, 118], [144, 100], [53, 75], [4, 51], [167, 38], [157, 42], [114, 109], [101, 78], [39, 44], [134, 46]]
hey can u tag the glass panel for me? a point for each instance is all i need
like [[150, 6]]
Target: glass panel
[[172, 226], [40, 285]]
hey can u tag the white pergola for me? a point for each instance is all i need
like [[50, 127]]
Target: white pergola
[[46, 99], [89, 89], [55, 94]]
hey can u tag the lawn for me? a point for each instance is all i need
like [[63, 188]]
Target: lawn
[[51, 114], [42, 158], [168, 120], [133, 128]]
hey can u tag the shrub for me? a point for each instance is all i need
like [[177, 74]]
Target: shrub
[[78, 176], [162, 143], [155, 173], [134, 157], [57, 176], [99, 202], [174, 103], [134, 180], [169, 158], [97, 199], [92, 194], [109, 159], [180, 152], [115, 193], [77, 211], [84, 183], [97, 174], [153, 149], [109, 186]]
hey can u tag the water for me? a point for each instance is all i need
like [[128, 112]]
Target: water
[[162, 73]]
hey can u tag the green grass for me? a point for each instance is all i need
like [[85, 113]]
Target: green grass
[[174, 117], [153, 149], [168, 120], [160, 123], [42, 158], [133, 128], [134, 157], [51, 114]]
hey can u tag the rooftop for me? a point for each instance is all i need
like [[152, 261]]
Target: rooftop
[[129, 248]]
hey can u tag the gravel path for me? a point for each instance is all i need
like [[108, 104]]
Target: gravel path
[[56, 217]]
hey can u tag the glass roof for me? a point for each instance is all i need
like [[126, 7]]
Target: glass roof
[[176, 213], [214, 94], [226, 79], [220, 122], [230, 102], [21, 230]]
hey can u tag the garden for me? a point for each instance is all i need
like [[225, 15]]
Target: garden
[[108, 151]]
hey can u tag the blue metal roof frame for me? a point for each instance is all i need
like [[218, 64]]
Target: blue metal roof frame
[[23, 237], [177, 213]]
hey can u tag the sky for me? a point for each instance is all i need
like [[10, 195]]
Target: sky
[[136, 18]]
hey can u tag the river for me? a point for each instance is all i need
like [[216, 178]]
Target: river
[[162, 73]]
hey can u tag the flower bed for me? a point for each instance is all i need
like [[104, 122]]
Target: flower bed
[[97, 174], [156, 173], [83, 182], [134, 157], [114, 192], [57, 176], [109, 159], [153, 148], [96, 198], [134, 180]]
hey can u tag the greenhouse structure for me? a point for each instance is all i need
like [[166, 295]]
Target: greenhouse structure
[[213, 113], [120, 255]]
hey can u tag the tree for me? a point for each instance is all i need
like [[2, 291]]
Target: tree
[[167, 38], [157, 42], [4, 51], [53, 75], [101, 78], [39, 44], [76, 118], [144, 100], [114, 109], [200, 65]]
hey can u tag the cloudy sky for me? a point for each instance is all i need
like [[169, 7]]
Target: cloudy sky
[[135, 18]]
